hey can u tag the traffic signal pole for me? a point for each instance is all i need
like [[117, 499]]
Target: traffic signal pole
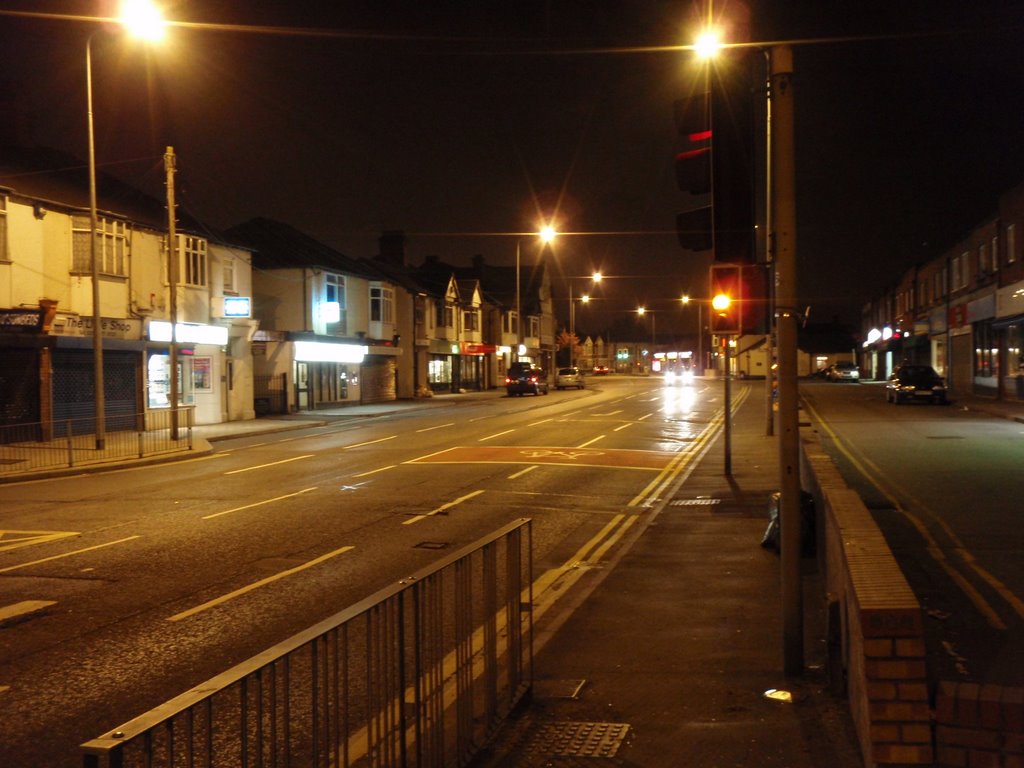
[[784, 224]]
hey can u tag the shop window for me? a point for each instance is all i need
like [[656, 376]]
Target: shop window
[[986, 351]]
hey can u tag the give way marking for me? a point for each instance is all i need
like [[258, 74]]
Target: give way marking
[[16, 539]]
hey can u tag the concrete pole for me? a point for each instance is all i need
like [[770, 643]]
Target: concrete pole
[[784, 220], [172, 286], [99, 392]]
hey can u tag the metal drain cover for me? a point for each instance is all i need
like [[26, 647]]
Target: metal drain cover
[[700, 501], [573, 739]]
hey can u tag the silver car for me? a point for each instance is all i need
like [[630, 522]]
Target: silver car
[[843, 371], [569, 377]]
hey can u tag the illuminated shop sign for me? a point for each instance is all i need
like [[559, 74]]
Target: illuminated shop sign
[[321, 352], [189, 333]]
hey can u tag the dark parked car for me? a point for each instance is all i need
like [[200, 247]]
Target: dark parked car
[[523, 377], [915, 383]]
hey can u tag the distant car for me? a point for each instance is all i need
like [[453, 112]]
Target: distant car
[[678, 376], [523, 377], [915, 383], [843, 371], [569, 377], [600, 370]]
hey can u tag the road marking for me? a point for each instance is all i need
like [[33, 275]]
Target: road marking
[[271, 464], [257, 584], [645, 416], [590, 442], [610, 413], [875, 477], [520, 473], [67, 554], [498, 434], [375, 471], [442, 508], [258, 503], [439, 426], [25, 607], [542, 421], [17, 539], [616, 458], [370, 442], [619, 429]]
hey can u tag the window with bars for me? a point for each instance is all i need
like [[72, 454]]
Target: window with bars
[[192, 255], [382, 301], [111, 246]]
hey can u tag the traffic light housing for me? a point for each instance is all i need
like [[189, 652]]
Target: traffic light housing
[[726, 292], [716, 166], [694, 172]]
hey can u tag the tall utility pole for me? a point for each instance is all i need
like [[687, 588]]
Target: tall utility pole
[[784, 219], [170, 166], [99, 393]]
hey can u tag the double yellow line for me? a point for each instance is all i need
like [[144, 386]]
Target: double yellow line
[[877, 477]]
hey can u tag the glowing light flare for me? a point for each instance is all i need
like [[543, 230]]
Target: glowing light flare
[[143, 19], [547, 233], [708, 44], [720, 302]]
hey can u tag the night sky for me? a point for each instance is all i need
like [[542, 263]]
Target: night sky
[[465, 123]]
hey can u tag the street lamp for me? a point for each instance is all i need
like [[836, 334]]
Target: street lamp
[[700, 332], [142, 19], [641, 311], [546, 235], [596, 277]]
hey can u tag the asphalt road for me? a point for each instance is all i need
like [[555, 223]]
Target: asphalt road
[[945, 485], [148, 581]]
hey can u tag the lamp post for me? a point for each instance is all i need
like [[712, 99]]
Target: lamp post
[[546, 235], [143, 20], [596, 277], [642, 311], [700, 332]]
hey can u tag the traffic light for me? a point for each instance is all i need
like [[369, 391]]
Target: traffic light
[[726, 292], [716, 166], [694, 172]]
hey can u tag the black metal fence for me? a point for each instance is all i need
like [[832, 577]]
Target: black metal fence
[[61, 443], [418, 674]]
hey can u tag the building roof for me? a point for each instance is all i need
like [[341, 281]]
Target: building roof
[[279, 246]]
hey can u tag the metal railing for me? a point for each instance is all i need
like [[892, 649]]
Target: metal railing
[[60, 443], [418, 674]]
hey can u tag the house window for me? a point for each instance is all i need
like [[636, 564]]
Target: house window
[[192, 257], [445, 316], [382, 301], [111, 245], [508, 322], [3, 228], [983, 266], [535, 327], [471, 320], [995, 253], [1011, 243], [335, 304], [229, 275]]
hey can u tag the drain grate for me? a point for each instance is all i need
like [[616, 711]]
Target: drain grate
[[579, 739], [700, 501], [432, 545]]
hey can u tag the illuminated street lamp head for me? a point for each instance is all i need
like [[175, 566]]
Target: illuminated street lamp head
[[641, 311], [143, 19], [585, 298], [707, 44], [547, 233], [596, 277], [685, 298]]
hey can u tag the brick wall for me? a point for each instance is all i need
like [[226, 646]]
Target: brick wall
[[881, 634], [979, 726]]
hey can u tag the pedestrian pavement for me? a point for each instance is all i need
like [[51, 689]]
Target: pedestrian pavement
[[674, 656]]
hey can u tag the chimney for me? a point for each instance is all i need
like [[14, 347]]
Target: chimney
[[392, 247]]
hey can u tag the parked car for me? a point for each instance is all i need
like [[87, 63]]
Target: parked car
[[843, 371], [600, 370], [569, 377], [524, 377], [915, 383]]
